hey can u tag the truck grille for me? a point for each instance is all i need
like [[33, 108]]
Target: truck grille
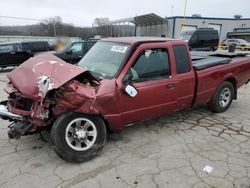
[[20, 102]]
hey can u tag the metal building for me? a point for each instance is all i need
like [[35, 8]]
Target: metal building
[[227, 27], [154, 25], [144, 25]]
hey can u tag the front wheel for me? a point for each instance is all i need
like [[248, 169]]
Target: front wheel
[[223, 98], [78, 137]]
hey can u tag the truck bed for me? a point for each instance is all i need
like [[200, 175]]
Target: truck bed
[[203, 60]]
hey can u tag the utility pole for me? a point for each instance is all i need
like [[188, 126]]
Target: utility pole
[[172, 10], [184, 17]]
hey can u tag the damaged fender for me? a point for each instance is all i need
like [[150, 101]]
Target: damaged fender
[[35, 77], [72, 89]]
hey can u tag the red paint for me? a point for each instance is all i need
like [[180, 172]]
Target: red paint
[[26, 76], [108, 98]]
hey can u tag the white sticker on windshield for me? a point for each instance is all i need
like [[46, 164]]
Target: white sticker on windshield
[[121, 49]]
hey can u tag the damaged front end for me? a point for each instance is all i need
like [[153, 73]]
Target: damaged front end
[[41, 89]]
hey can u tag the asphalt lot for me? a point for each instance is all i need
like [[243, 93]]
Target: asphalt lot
[[170, 151]]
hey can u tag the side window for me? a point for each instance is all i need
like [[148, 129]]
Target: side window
[[35, 46], [6, 48], [205, 36], [194, 37], [26, 47], [200, 36], [39, 46], [152, 64], [18, 47], [76, 47], [181, 59]]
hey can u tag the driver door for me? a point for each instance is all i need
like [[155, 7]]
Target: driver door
[[149, 72]]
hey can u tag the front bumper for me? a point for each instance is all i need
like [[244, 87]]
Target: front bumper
[[6, 114]]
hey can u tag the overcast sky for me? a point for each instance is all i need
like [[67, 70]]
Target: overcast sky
[[83, 12]]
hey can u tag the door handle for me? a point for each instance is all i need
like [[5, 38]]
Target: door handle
[[171, 86]]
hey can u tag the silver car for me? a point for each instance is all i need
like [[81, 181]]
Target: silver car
[[240, 44]]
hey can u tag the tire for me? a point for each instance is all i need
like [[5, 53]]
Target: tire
[[77, 150], [218, 104]]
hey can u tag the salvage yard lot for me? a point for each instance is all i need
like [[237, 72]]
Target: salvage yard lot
[[170, 151]]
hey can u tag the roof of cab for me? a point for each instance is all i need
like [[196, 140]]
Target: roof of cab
[[133, 40]]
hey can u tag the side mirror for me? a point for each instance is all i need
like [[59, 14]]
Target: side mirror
[[128, 79], [70, 52], [131, 91]]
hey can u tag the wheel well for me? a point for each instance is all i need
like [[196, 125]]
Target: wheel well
[[234, 82], [106, 124]]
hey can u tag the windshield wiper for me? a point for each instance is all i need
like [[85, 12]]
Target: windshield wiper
[[98, 75]]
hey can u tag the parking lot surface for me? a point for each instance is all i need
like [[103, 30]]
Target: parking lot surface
[[190, 148]]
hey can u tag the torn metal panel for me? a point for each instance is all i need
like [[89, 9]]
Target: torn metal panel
[[75, 96], [74, 89], [35, 77]]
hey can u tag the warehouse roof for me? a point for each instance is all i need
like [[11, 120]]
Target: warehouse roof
[[149, 19], [143, 20], [206, 18]]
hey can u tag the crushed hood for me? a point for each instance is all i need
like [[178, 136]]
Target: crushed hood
[[36, 76]]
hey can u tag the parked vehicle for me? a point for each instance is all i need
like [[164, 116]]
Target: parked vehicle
[[37, 46], [202, 39], [13, 54], [75, 51], [239, 43], [119, 82]]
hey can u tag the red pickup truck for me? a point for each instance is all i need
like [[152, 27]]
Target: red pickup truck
[[119, 82]]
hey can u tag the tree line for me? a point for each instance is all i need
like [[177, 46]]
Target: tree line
[[54, 26]]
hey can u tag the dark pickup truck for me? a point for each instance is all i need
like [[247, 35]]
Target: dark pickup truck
[[74, 52], [14, 54], [119, 82]]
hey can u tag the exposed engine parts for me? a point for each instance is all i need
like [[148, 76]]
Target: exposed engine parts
[[18, 129]]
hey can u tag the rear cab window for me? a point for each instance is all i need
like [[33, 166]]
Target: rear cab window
[[182, 60]]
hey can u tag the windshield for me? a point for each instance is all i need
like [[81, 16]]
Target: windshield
[[186, 35], [105, 58]]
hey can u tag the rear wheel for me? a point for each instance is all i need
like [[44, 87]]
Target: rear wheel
[[77, 137], [223, 98]]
